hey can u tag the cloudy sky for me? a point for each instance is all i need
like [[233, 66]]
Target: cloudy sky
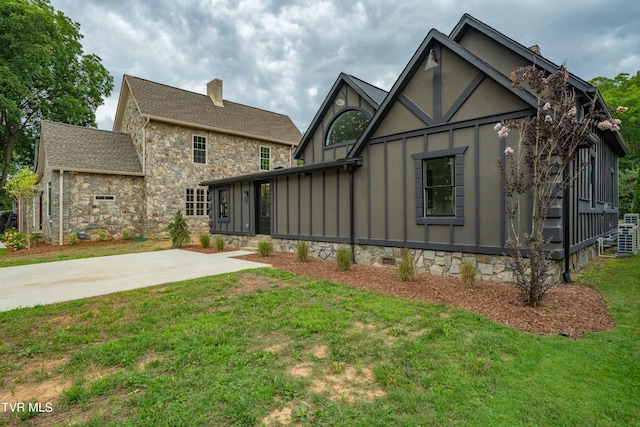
[[284, 55]]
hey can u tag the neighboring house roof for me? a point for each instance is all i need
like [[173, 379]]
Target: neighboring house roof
[[372, 94], [172, 105], [82, 149]]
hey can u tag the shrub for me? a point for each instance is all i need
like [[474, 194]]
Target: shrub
[[205, 240], [102, 235], [407, 267], [468, 273], [265, 247], [73, 238], [14, 238], [126, 233], [344, 258], [219, 243], [303, 251], [179, 231], [36, 237]]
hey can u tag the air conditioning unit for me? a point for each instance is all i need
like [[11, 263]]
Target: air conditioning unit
[[631, 218], [628, 239]]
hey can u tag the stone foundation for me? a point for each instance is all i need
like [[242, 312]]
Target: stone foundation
[[441, 263]]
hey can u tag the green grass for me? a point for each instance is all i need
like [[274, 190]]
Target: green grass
[[223, 351]]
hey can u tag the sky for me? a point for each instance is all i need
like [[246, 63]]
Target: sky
[[284, 56]]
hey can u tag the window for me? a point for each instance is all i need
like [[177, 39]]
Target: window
[[195, 202], [199, 149], [104, 197], [440, 186], [223, 205], [265, 158], [347, 127]]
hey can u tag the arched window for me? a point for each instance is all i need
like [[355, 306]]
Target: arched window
[[348, 126]]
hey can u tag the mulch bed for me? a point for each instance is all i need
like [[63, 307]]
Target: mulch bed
[[568, 308]]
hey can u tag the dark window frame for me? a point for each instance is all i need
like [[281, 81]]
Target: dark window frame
[[335, 119], [458, 217], [220, 209]]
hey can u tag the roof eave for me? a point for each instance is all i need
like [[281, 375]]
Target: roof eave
[[285, 171], [89, 170], [217, 129]]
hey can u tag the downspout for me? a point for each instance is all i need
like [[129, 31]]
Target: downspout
[[566, 206], [352, 234], [60, 210]]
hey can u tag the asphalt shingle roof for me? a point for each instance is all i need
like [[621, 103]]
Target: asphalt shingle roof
[[80, 148], [166, 102]]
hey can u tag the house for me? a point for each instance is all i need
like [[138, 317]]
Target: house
[[165, 141], [416, 167]]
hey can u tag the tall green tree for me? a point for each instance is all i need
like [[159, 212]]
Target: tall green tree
[[44, 74], [624, 90]]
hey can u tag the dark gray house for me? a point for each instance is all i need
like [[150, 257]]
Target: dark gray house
[[416, 167]]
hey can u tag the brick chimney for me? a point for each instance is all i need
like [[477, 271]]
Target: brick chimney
[[214, 90]]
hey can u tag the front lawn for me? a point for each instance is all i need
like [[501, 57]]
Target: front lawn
[[265, 346]]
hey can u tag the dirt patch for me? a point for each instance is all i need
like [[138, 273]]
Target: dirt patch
[[320, 351], [352, 384], [572, 308], [302, 369], [45, 391], [249, 282]]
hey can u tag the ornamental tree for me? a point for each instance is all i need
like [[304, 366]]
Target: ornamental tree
[[22, 187], [538, 165], [44, 74]]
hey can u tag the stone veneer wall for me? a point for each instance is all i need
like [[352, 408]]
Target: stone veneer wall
[[92, 216], [170, 170], [441, 263]]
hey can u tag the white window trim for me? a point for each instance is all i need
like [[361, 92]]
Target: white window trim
[[195, 202], [260, 158], [104, 198], [193, 149]]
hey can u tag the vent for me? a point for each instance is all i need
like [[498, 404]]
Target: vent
[[388, 261]]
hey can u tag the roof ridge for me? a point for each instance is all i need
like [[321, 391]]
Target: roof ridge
[[367, 83], [84, 127], [204, 95]]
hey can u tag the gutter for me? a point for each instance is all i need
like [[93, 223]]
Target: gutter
[[60, 209]]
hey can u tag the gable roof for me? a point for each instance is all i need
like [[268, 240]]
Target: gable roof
[[372, 94], [433, 37], [177, 106], [467, 21], [82, 149]]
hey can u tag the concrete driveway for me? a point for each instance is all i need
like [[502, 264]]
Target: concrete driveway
[[47, 283]]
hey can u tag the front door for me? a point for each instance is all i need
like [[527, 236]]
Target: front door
[[263, 207]]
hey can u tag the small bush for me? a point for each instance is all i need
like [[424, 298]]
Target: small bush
[[205, 240], [16, 239], [265, 247], [468, 273], [344, 258], [126, 233], [102, 235], [73, 238], [219, 243], [407, 266], [36, 237], [179, 231], [303, 251]]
